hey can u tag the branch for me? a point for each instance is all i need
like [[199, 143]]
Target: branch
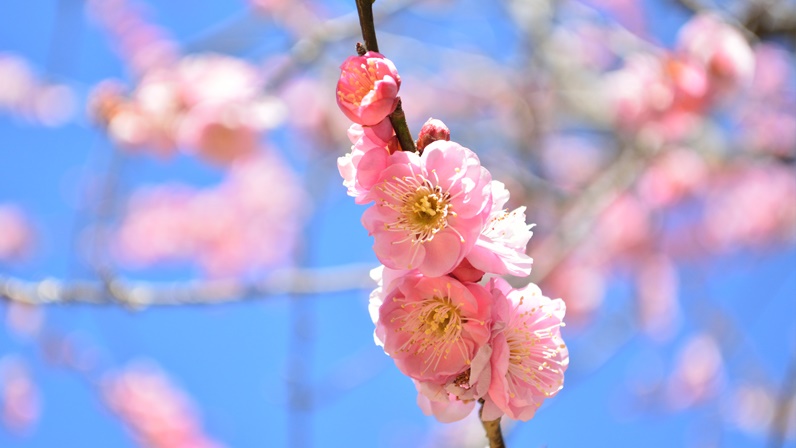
[[365, 10], [140, 294], [398, 120], [492, 429], [779, 423]]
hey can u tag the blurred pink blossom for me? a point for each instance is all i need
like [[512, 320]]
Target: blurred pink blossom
[[247, 223], [19, 395], [698, 372], [16, 233], [674, 174], [33, 99], [156, 412], [750, 205], [720, 49], [368, 88], [206, 104], [657, 297]]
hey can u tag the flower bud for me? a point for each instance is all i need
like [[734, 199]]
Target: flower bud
[[432, 131]]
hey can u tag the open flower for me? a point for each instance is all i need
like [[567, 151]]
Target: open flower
[[433, 327], [429, 209], [370, 150], [500, 248], [368, 88], [528, 356]]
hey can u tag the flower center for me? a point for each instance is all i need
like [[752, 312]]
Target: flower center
[[427, 212], [360, 81], [434, 326]]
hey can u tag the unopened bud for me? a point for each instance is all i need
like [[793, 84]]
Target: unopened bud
[[432, 131]]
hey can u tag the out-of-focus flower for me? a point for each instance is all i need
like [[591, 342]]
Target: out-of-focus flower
[[367, 91], [658, 308], [143, 46], [429, 209], [721, 49], [750, 205], [16, 233], [207, 104], [528, 355], [33, 99], [672, 176], [767, 114], [581, 283], [19, 395], [698, 374], [248, 223], [433, 327], [156, 412]]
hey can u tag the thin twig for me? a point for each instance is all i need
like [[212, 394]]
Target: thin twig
[[366, 24]]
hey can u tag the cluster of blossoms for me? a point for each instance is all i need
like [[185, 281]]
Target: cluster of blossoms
[[220, 228], [31, 97], [158, 413], [665, 94], [442, 234]]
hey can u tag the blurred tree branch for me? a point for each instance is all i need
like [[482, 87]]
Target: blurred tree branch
[[141, 294]]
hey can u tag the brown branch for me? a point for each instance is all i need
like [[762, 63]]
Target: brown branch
[[492, 429], [779, 423], [398, 120], [365, 10]]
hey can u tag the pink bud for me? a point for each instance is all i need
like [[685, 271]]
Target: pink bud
[[432, 131], [368, 88]]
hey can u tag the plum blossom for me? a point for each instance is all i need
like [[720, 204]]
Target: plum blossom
[[361, 168], [368, 88], [433, 327], [500, 248], [429, 209], [528, 355], [432, 131], [721, 49], [16, 233]]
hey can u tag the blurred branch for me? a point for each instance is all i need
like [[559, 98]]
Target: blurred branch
[[140, 294], [779, 423], [578, 221]]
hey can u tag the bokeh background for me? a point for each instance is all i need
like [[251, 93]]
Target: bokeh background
[[180, 265]]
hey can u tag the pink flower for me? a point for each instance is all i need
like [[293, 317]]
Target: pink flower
[[159, 414], [432, 131], [528, 356], [361, 168], [16, 233], [368, 88], [500, 248], [433, 327], [429, 209], [720, 48]]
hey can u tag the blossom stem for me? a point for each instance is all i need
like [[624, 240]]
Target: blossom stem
[[492, 429], [398, 120]]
